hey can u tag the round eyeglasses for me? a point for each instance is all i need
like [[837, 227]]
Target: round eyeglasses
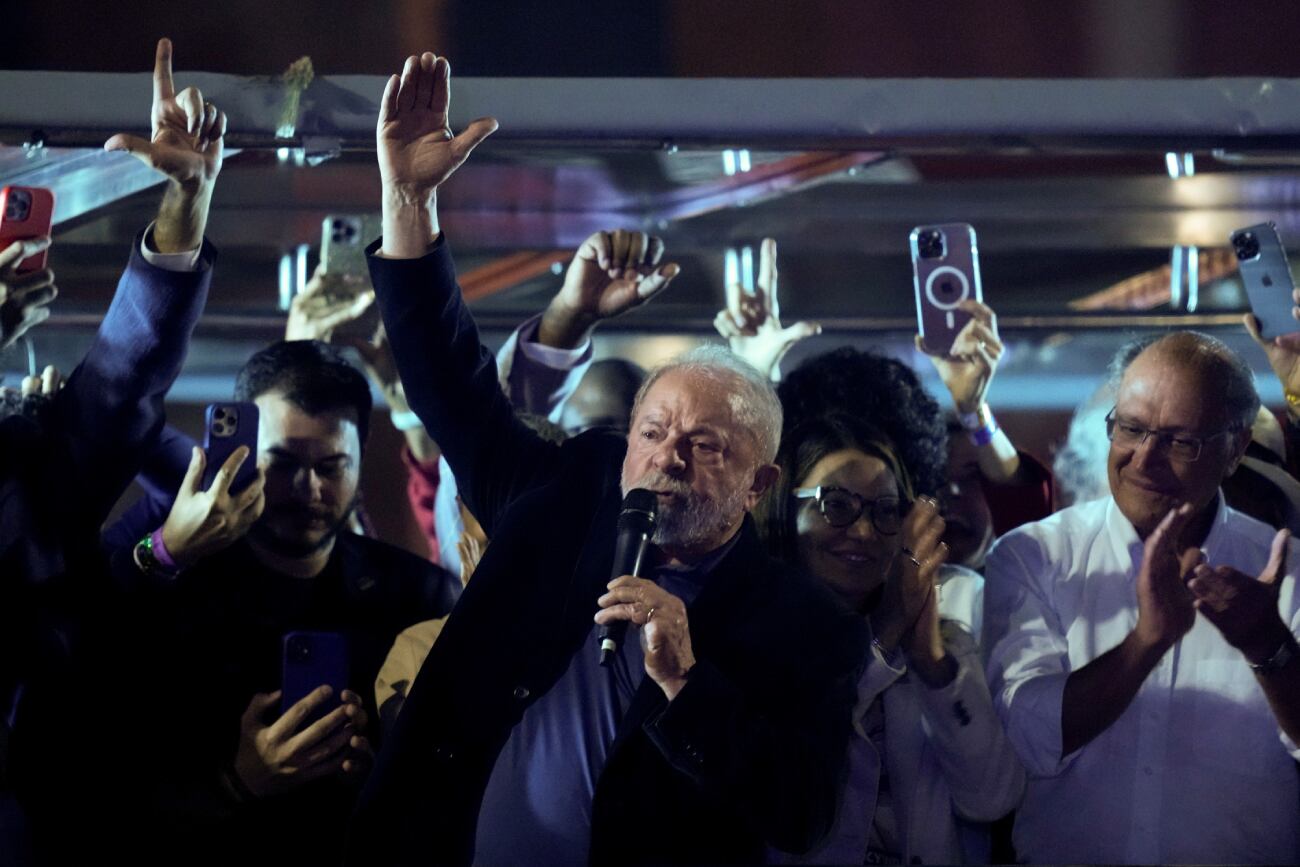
[[842, 507]]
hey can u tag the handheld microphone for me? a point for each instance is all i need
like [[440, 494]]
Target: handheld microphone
[[636, 523]]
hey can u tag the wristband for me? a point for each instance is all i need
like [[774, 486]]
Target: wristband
[[160, 552], [405, 420], [147, 561], [980, 424]]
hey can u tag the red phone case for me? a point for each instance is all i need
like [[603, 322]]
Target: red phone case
[[35, 223]]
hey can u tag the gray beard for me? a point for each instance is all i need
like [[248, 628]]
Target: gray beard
[[692, 520]]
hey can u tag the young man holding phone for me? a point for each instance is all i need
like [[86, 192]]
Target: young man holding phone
[[269, 625]]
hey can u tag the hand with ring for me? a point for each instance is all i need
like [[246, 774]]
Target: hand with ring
[[912, 576], [665, 634]]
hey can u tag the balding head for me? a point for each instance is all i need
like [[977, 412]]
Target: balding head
[[1184, 404], [1207, 360]]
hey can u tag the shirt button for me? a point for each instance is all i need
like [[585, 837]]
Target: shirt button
[[521, 692]]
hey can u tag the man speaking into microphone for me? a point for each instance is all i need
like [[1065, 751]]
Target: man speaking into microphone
[[717, 728]]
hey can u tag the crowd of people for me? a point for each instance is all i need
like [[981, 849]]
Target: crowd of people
[[863, 629]]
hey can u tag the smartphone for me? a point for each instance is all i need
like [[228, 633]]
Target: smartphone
[[945, 272], [344, 238], [26, 212], [313, 659], [228, 426], [1267, 278]]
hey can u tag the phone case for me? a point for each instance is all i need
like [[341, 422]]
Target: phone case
[[344, 238], [227, 427], [943, 281], [26, 212], [312, 659], [1267, 278]]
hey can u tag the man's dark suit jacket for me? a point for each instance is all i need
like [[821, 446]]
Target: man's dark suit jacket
[[60, 477], [747, 755]]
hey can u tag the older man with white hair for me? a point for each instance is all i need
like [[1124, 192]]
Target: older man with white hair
[[1144, 655], [719, 728]]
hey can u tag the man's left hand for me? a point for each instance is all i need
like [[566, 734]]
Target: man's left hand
[[186, 140], [665, 634], [1243, 608]]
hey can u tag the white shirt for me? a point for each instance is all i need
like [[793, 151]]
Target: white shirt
[[950, 767], [1196, 768]]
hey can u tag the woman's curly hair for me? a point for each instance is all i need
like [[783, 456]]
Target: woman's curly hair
[[882, 391]]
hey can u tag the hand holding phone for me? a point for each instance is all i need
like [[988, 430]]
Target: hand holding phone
[[347, 291], [279, 752], [26, 286], [945, 272], [1262, 263], [312, 660], [206, 519], [227, 426], [967, 370]]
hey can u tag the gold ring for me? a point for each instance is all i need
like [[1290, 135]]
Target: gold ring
[[650, 614]]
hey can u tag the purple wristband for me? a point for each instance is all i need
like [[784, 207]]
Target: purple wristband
[[982, 436], [160, 552]]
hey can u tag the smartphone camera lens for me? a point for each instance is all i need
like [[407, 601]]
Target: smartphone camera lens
[[930, 244], [18, 205], [343, 232], [1245, 245], [299, 649]]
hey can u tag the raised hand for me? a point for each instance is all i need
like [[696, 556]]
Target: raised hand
[[1242, 607], [910, 585], [612, 273], [1283, 351], [752, 323], [327, 302], [416, 147], [201, 522], [23, 296], [1165, 609], [186, 139], [968, 369]]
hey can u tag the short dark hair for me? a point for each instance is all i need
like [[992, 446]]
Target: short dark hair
[[313, 376], [802, 447], [883, 392]]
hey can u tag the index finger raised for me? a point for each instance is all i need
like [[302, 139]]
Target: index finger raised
[[163, 87]]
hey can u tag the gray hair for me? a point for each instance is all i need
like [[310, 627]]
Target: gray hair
[[754, 404], [1210, 358]]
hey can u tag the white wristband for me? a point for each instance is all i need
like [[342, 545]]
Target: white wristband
[[405, 420]]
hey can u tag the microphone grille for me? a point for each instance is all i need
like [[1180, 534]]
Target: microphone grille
[[640, 506]]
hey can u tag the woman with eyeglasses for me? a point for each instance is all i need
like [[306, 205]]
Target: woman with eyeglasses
[[928, 761]]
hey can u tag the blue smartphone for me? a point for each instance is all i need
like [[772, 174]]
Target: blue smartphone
[[311, 660], [1262, 264], [227, 426]]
